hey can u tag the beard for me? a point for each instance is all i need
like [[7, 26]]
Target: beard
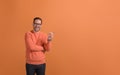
[[37, 29]]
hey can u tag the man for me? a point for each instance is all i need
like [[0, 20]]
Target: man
[[37, 43]]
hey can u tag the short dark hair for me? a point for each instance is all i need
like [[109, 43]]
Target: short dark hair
[[38, 19]]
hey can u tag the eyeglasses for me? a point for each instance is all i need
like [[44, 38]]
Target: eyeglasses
[[37, 24]]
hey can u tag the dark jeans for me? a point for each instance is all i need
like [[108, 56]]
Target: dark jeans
[[38, 69]]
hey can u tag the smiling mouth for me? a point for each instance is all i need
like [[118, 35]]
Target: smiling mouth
[[37, 28]]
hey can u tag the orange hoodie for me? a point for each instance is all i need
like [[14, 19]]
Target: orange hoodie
[[36, 46]]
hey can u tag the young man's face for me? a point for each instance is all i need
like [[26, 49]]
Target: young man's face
[[37, 25]]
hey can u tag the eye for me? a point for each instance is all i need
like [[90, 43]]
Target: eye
[[37, 23]]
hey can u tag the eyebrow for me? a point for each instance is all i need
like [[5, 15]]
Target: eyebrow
[[37, 23]]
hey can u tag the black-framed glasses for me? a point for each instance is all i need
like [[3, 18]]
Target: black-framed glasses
[[37, 24]]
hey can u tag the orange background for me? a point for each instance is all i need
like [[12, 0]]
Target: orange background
[[86, 42]]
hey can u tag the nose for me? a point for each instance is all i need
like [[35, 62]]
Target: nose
[[37, 25]]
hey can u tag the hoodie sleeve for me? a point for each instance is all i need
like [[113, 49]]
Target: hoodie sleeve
[[30, 44], [47, 44]]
